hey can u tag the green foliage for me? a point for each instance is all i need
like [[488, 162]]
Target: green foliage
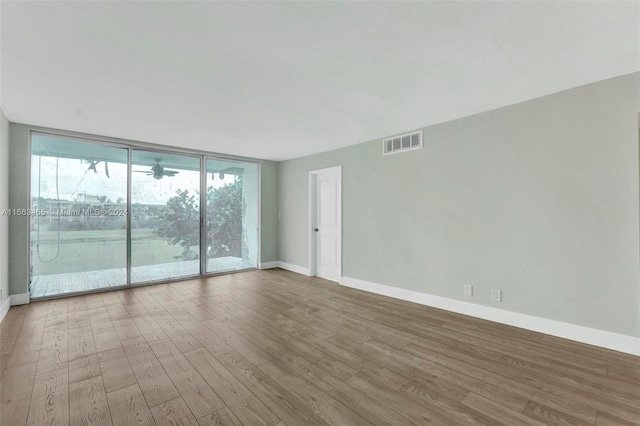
[[224, 222], [182, 217]]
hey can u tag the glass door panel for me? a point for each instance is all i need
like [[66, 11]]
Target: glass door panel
[[231, 215], [78, 215], [80, 211], [165, 216]]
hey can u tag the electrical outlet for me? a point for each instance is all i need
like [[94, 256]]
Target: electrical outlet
[[496, 295], [468, 290]]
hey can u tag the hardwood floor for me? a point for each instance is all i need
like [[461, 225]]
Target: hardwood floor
[[277, 348]]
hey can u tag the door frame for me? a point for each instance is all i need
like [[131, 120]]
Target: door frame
[[313, 216]]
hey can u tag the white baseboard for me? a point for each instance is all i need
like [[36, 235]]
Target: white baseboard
[[4, 308], [269, 265], [20, 299], [15, 299], [591, 336], [294, 268]]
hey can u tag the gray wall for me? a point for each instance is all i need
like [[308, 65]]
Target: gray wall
[[19, 198], [539, 199], [4, 204], [269, 209]]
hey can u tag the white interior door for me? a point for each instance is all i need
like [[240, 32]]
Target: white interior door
[[328, 224]]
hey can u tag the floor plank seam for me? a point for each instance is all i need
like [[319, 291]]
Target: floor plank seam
[[295, 331]]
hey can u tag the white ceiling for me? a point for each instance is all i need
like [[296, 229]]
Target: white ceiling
[[283, 80]]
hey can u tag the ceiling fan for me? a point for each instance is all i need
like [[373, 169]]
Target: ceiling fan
[[237, 171], [158, 172]]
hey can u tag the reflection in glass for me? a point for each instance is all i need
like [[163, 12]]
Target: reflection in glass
[[165, 216], [231, 215], [78, 215]]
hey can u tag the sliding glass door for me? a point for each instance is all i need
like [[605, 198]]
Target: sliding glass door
[[110, 215], [231, 215], [165, 216], [78, 215]]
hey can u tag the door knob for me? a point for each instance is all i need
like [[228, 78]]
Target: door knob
[[316, 229]]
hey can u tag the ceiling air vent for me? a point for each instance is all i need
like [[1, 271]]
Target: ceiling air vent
[[401, 143]]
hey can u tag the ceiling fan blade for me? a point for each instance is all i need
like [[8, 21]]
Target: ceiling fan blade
[[170, 172]]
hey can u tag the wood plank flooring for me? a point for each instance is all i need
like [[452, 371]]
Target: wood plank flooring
[[277, 348]]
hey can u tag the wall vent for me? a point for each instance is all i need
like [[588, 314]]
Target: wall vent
[[401, 143]]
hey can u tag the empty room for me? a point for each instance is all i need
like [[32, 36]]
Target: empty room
[[287, 213]]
